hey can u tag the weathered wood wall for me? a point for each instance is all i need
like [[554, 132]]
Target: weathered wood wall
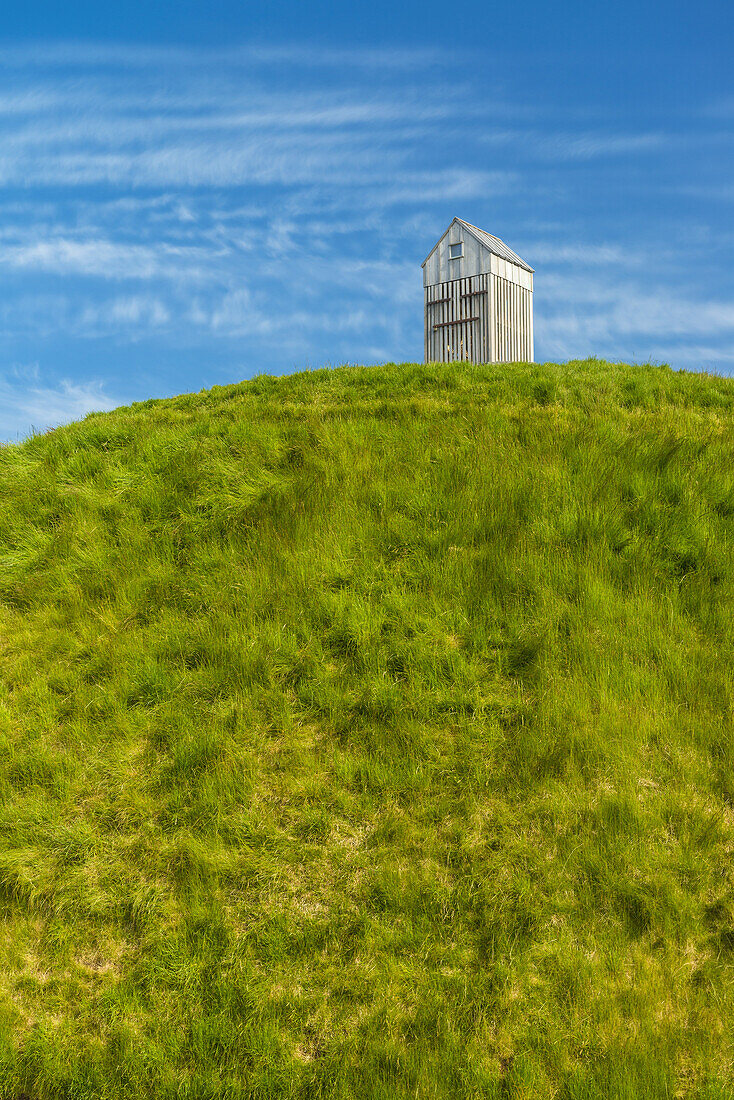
[[478, 307], [483, 319]]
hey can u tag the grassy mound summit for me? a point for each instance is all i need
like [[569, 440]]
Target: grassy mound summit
[[368, 733]]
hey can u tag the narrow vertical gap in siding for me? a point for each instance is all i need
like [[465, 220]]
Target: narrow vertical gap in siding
[[465, 324], [510, 324], [524, 326], [467, 327], [455, 330], [521, 322], [439, 331], [426, 299], [510, 334], [483, 303], [445, 330], [436, 319], [495, 322], [502, 330], [511, 318], [431, 317], [505, 347], [495, 319], [488, 317], [429, 324], [512, 321], [513, 294], [495, 292], [475, 325], [469, 302]]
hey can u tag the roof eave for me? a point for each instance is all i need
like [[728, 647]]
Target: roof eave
[[439, 240]]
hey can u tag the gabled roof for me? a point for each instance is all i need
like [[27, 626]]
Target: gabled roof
[[494, 244]]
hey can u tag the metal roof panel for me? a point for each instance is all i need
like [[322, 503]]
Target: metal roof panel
[[494, 244]]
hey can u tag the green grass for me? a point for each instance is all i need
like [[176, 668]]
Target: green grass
[[368, 733]]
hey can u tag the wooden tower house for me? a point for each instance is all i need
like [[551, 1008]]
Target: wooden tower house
[[478, 299]]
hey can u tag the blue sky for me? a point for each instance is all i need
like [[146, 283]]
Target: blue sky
[[192, 194]]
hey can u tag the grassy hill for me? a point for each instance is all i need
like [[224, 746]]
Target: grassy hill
[[368, 733]]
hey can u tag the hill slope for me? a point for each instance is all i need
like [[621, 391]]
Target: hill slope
[[367, 733]]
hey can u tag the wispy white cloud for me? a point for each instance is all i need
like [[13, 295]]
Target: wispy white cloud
[[106, 55], [186, 119], [580, 316], [100, 258], [273, 204], [130, 314], [599, 144], [29, 402], [589, 145], [582, 255]]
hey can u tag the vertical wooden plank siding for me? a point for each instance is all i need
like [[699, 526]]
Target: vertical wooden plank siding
[[510, 324], [484, 318], [491, 320], [513, 329], [447, 312], [426, 311]]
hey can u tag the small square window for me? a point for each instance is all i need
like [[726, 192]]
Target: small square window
[[456, 251]]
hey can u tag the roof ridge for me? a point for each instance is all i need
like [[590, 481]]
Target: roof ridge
[[495, 245]]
